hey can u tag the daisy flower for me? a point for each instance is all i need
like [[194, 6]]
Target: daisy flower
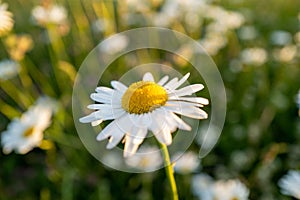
[[254, 56], [6, 21], [144, 105], [231, 189], [148, 158], [202, 186], [290, 183], [25, 133], [53, 14], [8, 69], [186, 163]]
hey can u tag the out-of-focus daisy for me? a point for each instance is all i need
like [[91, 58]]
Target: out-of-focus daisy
[[285, 54], [230, 189], [213, 43], [6, 20], [187, 162], [115, 44], [202, 186], [254, 56], [147, 158], [290, 184], [8, 69], [18, 45], [144, 105], [26, 132], [247, 33], [52, 14], [280, 37]]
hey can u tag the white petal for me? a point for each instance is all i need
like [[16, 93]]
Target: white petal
[[115, 138], [171, 123], [182, 104], [106, 132], [192, 112], [112, 131], [102, 106], [163, 80], [199, 100], [188, 90], [106, 90], [164, 136], [133, 140], [101, 98], [137, 134], [130, 148], [89, 118], [160, 128], [171, 83], [180, 123], [148, 77], [119, 86], [124, 123], [180, 82], [106, 114], [96, 123]]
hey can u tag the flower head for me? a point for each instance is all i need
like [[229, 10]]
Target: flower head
[[290, 183], [144, 105], [229, 190], [51, 14], [6, 21], [205, 187], [8, 69], [25, 133], [202, 186], [254, 56], [186, 163], [149, 158]]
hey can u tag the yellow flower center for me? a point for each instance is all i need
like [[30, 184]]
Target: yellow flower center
[[143, 96], [28, 132]]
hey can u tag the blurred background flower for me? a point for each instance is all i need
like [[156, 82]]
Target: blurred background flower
[[6, 19]]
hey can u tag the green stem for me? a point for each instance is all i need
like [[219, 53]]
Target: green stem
[[169, 170]]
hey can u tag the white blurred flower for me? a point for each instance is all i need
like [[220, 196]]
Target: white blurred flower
[[8, 69], [100, 25], [213, 43], [247, 33], [290, 184], [26, 132], [232, 20], [285, 54], [144, 105], [147, 158], [227, 19], [254, 56], [6, 21], [53, 14], [185, 163], [229, 190], [202, 186], [280, 37], [114, 44], [112, 159]]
